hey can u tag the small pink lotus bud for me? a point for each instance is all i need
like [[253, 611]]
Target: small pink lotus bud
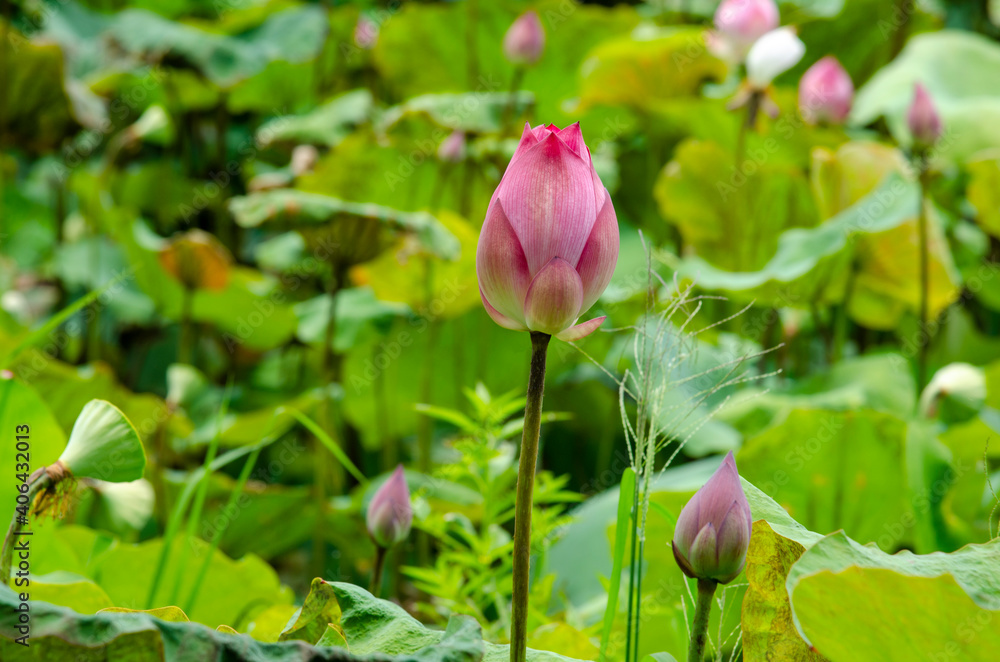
[[923, 119], [365, 33], [525, 40], [452, 148], [826, 92], [713, 529], [738, 24], [549, 244], [389, 513]]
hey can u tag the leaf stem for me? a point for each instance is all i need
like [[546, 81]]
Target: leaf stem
[[699, 629], [525, 487]]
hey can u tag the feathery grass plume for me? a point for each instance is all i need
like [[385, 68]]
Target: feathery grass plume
[[667, 394]]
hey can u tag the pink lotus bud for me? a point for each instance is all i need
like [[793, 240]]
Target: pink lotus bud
[[772, 55], [549, 243], [365, 33], [826, 92], [923, 119], [525, 40], [389, 513], [452, 148], [713, 529], [738, 24]]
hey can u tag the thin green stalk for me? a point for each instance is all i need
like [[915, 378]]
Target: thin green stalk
[[199, 500], [633, 606], [16, 527], [376, 585], [241, 482], [508, 109], [626, 491], [185, 348], [699, 629], [525, 487], [329, 370], [925, 282]]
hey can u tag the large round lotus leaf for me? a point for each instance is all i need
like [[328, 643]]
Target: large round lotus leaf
[[733, 223], [647, 71], [928, 607], [104, 445]]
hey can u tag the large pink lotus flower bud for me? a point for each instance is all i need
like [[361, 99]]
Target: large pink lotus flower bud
[[525, 40], [549, 243], [923, 119], [389, 513], [713, 529], [738, 24], [826, 92]]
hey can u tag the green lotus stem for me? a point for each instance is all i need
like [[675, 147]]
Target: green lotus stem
[[185, 349], [925, 280], [525, 487], [377, 568], [40, 482], [699, 629], [508, 109]]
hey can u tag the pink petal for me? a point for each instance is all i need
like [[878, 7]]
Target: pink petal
[[573, 138], [499, 317], [501, 265], [528, 140], [581, 330], [548, 196], [600, 254], [554, 297]]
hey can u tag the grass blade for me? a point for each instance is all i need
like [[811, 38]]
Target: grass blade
[[625, 497], [330, 444], [241, 482]]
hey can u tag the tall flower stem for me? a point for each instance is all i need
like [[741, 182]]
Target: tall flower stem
[[525, 487], [925, 280], [699, 629], [377, 567]]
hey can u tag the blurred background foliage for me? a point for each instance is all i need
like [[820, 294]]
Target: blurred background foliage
[[254, 193]]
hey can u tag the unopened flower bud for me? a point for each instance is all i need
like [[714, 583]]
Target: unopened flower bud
[[738, 24], [923, 119], [713, 529], [826, 92], [452, 148], [525, 40], [389, 513]]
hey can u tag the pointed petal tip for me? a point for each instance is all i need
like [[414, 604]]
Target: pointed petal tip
[[581, 330]]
